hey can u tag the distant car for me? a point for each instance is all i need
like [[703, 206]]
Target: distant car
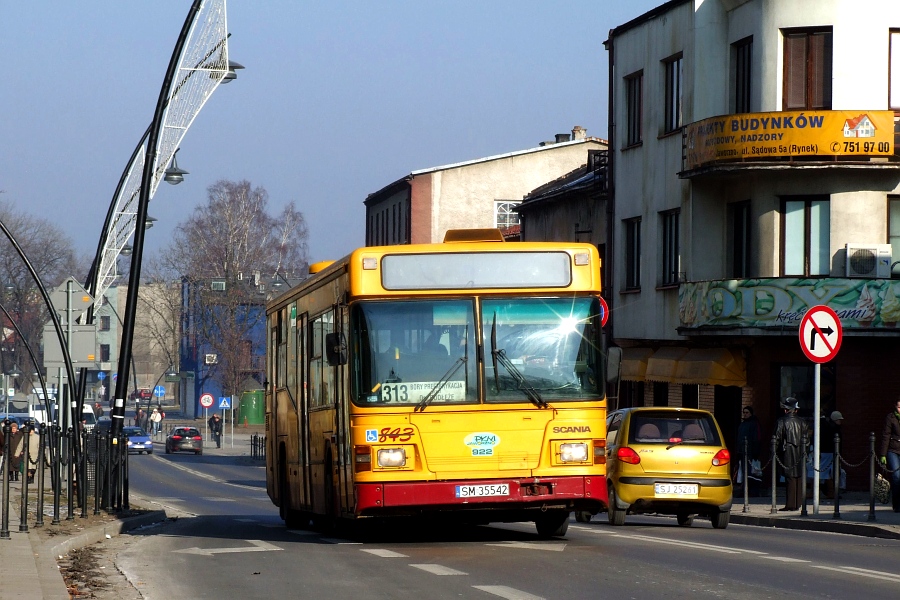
[[138, 440], [19, 418], [669, 461], [184, 439]]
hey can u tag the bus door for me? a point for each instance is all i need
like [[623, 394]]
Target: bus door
[[342, 448], [303, 402]]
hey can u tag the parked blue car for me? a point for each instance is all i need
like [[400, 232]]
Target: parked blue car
[[138, 440]]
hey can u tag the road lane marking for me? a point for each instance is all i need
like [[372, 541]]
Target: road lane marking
[[255, 488], [217, 499], [384, 553], [507, 592], [438, 569], [257, 546], [786, 559], [339, 542], [553, 547], [861, 572]]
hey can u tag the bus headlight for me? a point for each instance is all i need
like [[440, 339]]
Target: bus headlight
[[573, 452], [392, 457]]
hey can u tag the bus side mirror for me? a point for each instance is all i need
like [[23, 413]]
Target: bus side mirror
[[336, 349]]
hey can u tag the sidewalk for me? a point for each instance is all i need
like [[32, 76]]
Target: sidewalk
[[28, 560]]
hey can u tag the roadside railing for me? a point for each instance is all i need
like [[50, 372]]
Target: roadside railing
[[258, 447]]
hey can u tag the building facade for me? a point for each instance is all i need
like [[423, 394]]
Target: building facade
[[483, 193], [755, 175]]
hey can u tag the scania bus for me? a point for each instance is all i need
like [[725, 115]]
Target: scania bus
[[461, 379]]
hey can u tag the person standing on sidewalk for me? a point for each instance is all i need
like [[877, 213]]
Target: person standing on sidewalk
[[749, 435], [890, 451], [215, 426], [791, 437]]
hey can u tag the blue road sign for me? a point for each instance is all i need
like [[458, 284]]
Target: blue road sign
[[101, 375], [159, 391], [224, 402]]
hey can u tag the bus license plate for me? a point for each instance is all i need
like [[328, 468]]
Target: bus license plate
[[481, 491], [676, 489]]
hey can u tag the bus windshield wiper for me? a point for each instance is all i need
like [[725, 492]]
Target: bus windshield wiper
[[420, 407], [499, 355]]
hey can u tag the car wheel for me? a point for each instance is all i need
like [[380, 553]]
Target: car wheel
[[199, 452], [720, 519], [149, 451], [685, 520], [614, 514], [583, 516], [168, 451], [552, 523]]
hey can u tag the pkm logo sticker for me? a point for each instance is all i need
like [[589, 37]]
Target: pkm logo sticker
[[482, 443]]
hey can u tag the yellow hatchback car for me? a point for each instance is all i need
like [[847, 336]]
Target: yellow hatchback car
[[668, 461]]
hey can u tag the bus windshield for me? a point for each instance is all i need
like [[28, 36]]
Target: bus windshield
[[415, 353], [541, 349]]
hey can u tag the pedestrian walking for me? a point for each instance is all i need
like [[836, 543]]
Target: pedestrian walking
[[215, 426], [791, 438], [155, 420], [890, 451], [34, 448], [14, 460]]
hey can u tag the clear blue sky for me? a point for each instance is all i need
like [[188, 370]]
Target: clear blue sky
[[338, 99]]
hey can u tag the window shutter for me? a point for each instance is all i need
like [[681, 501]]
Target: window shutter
[[794, 71], [820, 70]]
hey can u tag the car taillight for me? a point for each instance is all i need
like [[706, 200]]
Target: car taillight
[[627, 455], [722, 457], [176, 437], [198, 437]]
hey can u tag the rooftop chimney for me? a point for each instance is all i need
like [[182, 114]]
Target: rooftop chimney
[[579, 133], [562, 137]]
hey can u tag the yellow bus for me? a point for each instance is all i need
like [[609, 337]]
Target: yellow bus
[[458, 379]]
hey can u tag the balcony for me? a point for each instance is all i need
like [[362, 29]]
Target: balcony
[[776, 306], [826, 139]]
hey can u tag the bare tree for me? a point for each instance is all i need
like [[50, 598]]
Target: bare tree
[[50, 252], [225, 253]]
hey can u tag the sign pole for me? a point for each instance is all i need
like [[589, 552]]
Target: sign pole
[[817, 408]]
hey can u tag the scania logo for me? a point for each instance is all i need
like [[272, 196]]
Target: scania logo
[[575, 429]]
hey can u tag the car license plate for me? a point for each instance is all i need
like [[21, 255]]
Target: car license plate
[[678, 490], [481, 491]]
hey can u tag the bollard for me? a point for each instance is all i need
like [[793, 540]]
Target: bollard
[[70, 472], [83, 474], [41, 465], [871, 476], [99, 472], [803, 511], [55, 434], [246, 422], [836, 476], [774, 509], [744, 466], [4, 520], [26, 443]]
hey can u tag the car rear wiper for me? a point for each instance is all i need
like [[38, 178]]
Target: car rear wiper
[[420, 407], [499, 355]]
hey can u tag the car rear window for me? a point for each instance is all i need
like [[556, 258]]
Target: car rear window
[[661, 428]]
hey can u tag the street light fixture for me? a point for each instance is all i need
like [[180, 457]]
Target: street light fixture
[[231, 74], [14, 372], [174, 175]]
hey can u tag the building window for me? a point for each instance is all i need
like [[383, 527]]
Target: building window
[[104, 352], [634, 85], [673, 68], [894, 74], [894, 230], [633, 254], [743, 56], [807, 69], [740, 239], [805, 236], [104, 323], [504, 213], [671, 256]]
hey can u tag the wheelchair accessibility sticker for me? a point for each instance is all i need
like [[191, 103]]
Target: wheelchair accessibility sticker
[[371, 435]]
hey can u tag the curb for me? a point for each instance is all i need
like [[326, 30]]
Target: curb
[[45, 556], [836, 526]]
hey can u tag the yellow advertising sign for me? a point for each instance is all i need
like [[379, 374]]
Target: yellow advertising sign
[[759, 136]]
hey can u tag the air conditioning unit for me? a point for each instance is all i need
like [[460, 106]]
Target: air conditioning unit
[[871, 261], [211, 359]]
